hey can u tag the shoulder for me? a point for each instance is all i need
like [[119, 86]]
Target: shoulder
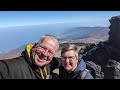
[[15, 62], [85, 74], [10, 66], [89, 76]]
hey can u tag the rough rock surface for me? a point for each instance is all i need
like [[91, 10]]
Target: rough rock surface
[[107, 54]]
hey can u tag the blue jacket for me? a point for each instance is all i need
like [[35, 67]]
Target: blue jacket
[[76, 73]]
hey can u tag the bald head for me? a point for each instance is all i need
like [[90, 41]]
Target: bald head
[[51, 40]]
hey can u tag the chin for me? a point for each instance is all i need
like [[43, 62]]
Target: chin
[[68, 69], [39, 64]]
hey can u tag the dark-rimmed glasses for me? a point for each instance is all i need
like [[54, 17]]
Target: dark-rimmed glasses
[[70, 58]]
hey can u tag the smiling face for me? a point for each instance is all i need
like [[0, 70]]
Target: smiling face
[[44, 51], [69, 60]]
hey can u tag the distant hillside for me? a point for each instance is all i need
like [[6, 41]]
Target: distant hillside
[[15, 51], [73, 35], [84, 34]]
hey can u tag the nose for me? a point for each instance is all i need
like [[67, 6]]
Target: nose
[[45, 52], [67, 60]]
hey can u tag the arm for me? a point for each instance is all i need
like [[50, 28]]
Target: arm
[[4, 71]]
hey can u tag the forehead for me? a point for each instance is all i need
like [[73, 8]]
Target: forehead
[[49, 42], [69, 53]]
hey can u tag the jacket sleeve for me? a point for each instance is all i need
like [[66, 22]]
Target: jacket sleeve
[[88, 76], [4, 71], [0, 76]]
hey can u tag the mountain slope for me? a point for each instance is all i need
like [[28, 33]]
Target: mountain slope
[[73, 35]]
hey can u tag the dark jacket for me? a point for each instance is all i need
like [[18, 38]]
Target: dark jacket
[[76, 73], [23, 68]]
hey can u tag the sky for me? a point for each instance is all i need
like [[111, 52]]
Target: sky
[[83, 18]]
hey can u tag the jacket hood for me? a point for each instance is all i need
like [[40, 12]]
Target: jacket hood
[[26, 53], [81, 66]]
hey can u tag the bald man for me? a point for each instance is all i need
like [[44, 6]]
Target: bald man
[[34, 63]]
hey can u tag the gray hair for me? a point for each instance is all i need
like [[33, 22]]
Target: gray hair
[[70, 47]]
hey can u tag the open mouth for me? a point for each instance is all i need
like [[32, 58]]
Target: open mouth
[[40, 56], [41, 59], [67, 65]]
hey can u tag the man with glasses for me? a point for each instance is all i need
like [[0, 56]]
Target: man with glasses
[[72, 66], [36, 62]]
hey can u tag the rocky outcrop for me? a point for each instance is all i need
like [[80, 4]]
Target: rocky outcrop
[[107, 54], [114, 33]]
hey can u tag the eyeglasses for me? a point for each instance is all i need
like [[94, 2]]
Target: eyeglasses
[[70, 58], [44, 49]]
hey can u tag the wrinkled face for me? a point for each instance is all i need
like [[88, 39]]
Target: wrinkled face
[[44, 52], [69, 60]]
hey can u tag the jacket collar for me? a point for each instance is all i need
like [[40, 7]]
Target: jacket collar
[[26, 54], [81, 66]]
